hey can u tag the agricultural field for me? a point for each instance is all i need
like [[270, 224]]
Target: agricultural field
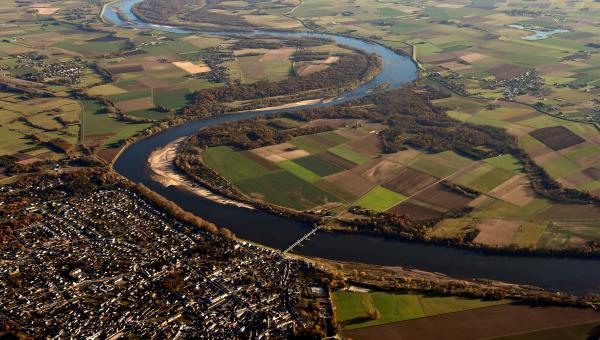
[[29, 124], [510, 213], [344, 168], [488, 49], [357, 309], [412, 316], [144, 76]]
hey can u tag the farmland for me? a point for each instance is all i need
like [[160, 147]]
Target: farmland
[[464, 319], [353, 308], [111, 83], [503, 209]]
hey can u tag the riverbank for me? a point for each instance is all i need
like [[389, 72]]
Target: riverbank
[[279, 232], [161, 162], [391, 278]]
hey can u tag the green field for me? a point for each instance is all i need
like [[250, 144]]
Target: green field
[[284, 189], [309, 144], [299, 171], [380, 199], [353, 309], [234, 166], [348, 154], [318, 165], [172, 99], [97, 122]]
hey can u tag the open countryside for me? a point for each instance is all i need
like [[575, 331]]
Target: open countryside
[[353, 169]]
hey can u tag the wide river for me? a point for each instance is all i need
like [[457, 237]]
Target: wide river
[[572, 275]]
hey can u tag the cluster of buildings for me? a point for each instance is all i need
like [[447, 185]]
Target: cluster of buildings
[[107, 263], [42, 71], [526, 82]]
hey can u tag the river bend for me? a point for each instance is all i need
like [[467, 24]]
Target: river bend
[[572, 275]]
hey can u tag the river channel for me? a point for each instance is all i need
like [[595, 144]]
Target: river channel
[[571, 275]]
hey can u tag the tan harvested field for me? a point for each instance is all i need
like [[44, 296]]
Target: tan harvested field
[[471, 57], [495, 232], [279, 54], [408, 181], [438, 196], [403, 157], [136, 104], [280, 152], [329, 60], [45, 10], [479, 323], [192, 68], [309, 69], [516, 191], [378, 170]]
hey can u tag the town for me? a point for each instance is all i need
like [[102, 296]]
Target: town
[[107, 263]]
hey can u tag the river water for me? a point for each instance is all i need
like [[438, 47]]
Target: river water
[[572, 275]]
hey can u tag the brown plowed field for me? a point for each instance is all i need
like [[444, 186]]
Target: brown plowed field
[[493, 232], [337, 160], [439, 196], [125, 69], [369, 145], [136, 104], [478, 323], [592, 173], [415, 212], [570, 212], [409, 181], [557, 137]]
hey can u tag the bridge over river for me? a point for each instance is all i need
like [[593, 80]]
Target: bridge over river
[[572, 275]]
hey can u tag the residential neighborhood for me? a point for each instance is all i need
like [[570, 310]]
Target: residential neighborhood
[[107, 263]]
